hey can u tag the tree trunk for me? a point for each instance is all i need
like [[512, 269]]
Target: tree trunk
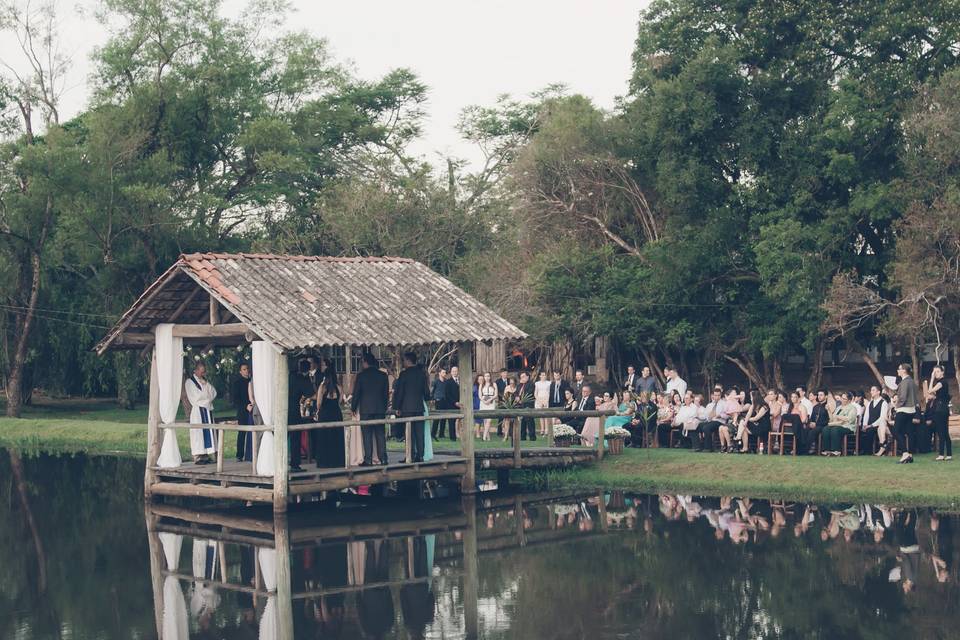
[[815, 379], [856, 346], [749, 370], [915, 360], [19, 361], [777, 369]]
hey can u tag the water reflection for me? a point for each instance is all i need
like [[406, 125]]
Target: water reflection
[[83, 559]]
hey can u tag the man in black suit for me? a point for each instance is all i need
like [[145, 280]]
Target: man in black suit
[[632, 381], [371, 391], [501, 384], [409, 393], [578, 382], [524, 396], [439, 394], [558, 387], [240, 394], [452, 400], [586, 402]]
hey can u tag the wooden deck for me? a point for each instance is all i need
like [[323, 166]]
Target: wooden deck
[[238, 481]]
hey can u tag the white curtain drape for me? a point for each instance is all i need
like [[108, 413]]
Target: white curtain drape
[[263, 356], [268, 569], [174, 605], [170, 383]]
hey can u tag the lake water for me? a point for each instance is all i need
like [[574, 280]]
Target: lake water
[[77, 562]]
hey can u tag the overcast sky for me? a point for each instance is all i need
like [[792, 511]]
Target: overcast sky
[[466, 51]]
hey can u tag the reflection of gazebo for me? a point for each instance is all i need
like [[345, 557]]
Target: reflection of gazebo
[[284, 305]]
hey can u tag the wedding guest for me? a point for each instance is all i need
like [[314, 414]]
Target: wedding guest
[[488, 402], [453, 399], [524, 395], [940, 402], [299, 389], [816, 422], [410, 395], [843, 422], [558, 388], [438, 393], [328, 444], [686, 418], [625, 411], [240, 394], [508, 398], [501, 383], [715, 416], [586, 402], [632, 381], [647, 382], [477, 422], [665, 414], [777, 403], [804, 400], [674, 381], [875, 416], [541, 399], [371, 391], [578, 383], [755, 423], [906, 401]]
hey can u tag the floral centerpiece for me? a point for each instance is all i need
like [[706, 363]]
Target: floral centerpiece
[[616, 437], [564, 435]]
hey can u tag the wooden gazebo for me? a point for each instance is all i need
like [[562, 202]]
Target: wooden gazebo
[[297, 303]]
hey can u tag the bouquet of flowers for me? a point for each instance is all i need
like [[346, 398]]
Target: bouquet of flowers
[[615, 432], [564, 435]]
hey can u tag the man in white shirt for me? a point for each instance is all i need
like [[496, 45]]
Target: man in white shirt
[[674, 382], [875, 416], [713, 415], [804, 400]]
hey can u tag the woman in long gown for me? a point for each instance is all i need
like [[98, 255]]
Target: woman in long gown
[[328, 444]]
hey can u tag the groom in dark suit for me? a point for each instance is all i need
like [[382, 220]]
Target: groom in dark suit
[[410, 391], [371, 392]]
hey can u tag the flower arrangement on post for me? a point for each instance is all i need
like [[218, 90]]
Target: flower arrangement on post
[[616, 437], [220, 369], [564, 435]]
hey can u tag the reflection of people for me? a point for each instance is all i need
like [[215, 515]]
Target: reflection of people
[[204, 599], [416, 599], [200, 395], [376, 604], [330, 572]]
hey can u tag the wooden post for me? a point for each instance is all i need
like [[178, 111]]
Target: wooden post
[[601, 437], [153, 428], [515, 428], [281, 542], [156, 570], [602, 511], [518, 517], [214, 311], [281, 452], [550, 431], [470, 570], [408, 445], [220, 446], [465, 362]]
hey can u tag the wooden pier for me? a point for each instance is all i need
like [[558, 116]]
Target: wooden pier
[[293, 304]]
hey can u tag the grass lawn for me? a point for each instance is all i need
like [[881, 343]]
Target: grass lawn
[[812, 478], [98, 427]]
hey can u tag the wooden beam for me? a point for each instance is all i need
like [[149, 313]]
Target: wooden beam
[[471, 569], [233, 330], [212, 518], [281, 451], [154, 432], [601, 436], [284, 585], [214, 311], [185, 489], [465, 362], [183, 305]]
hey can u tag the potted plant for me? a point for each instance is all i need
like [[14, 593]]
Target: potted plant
[[563, 435], [616, 436]]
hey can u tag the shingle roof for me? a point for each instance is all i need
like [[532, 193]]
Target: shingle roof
[[298, 302]]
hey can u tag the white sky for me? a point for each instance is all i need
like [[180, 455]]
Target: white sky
[[465, 51]]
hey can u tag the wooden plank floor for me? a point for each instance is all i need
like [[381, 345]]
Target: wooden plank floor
[[313, 479]]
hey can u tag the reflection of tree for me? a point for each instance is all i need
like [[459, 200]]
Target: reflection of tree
[[88, 512]]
